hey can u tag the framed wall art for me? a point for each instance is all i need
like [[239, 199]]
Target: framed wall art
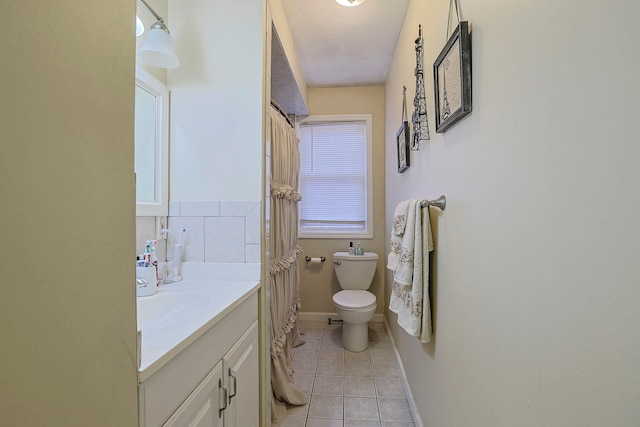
[[402, 142], [452, 79]]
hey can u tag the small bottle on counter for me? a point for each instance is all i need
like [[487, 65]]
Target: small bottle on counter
[[351, 250], [359, 250], [150, 249]]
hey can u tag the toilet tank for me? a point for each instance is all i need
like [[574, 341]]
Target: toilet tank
[[355, 271]]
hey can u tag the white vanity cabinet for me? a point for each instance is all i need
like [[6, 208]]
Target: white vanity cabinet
[[241, 368], [229, 395], [213, 382], [202, 407]]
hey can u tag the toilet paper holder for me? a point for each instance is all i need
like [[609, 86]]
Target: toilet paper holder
[[308, 259]]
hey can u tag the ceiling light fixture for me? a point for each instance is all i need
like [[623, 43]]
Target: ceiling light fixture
[[158, 48], [350, 3]]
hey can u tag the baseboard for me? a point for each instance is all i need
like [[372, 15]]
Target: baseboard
[[412, 403], [322, 317]]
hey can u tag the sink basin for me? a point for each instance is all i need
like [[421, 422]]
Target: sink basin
[[166, 309]]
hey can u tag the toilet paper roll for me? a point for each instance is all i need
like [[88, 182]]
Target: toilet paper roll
[[315, 261]]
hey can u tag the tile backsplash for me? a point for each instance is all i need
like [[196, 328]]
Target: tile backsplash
[[217, 231]]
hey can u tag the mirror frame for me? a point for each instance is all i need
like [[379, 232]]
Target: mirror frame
[[160, 205]]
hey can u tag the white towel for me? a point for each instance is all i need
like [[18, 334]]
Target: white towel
[[404, 271], [410, 293], [397, 230]]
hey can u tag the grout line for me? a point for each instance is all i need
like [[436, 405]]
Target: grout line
[[417, 421], [398, 362]]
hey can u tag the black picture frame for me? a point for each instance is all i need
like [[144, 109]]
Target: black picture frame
[[452, 79], [403, 146]]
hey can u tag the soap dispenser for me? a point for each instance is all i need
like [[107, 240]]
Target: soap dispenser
[[359, 250]]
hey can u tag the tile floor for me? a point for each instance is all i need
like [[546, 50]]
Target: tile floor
[[346, 389]]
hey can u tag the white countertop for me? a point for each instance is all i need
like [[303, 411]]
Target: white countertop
[[207, 301]]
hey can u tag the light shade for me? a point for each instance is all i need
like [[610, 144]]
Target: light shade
[[158, 48], [139, 26], [350, 3]]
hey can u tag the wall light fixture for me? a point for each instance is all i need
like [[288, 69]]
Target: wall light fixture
[[139, 26], [158, 48]]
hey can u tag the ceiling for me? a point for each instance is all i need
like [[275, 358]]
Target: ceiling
[[345, 46]]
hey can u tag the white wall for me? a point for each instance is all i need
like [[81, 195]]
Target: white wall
[[318, 284], [217, 100], [67, 311], [536, 272]]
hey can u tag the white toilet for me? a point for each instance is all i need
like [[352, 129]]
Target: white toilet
[[355, 305]]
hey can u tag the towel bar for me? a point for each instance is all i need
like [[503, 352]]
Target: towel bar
[[440, 202]]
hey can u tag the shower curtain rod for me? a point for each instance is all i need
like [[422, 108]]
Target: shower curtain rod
[[283, 113]]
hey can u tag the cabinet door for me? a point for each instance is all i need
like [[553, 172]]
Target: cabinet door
[[204, 407], [241, 366]]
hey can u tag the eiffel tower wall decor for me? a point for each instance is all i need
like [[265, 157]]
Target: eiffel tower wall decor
[[452, 79], [419, 118]]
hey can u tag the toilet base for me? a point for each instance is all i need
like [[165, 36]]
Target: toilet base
[[355, 336]]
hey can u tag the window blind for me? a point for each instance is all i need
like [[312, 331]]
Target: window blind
[[333, 181]]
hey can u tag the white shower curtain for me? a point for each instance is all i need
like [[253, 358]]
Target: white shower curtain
[[283, 280]]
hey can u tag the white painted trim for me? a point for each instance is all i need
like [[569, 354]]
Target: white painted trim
[[322, 317], [417, 421], [159, 206]]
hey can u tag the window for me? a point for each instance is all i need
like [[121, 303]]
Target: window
[[335, 181]]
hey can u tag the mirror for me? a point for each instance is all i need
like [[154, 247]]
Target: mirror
[[151, 145]]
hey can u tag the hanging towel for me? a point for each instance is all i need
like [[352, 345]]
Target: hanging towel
[[403, 273], [410, 290], [397, 230]]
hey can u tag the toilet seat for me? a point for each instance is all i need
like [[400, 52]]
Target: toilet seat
[[354, 300]]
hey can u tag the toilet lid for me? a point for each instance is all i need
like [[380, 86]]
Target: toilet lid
[[354, 299]]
